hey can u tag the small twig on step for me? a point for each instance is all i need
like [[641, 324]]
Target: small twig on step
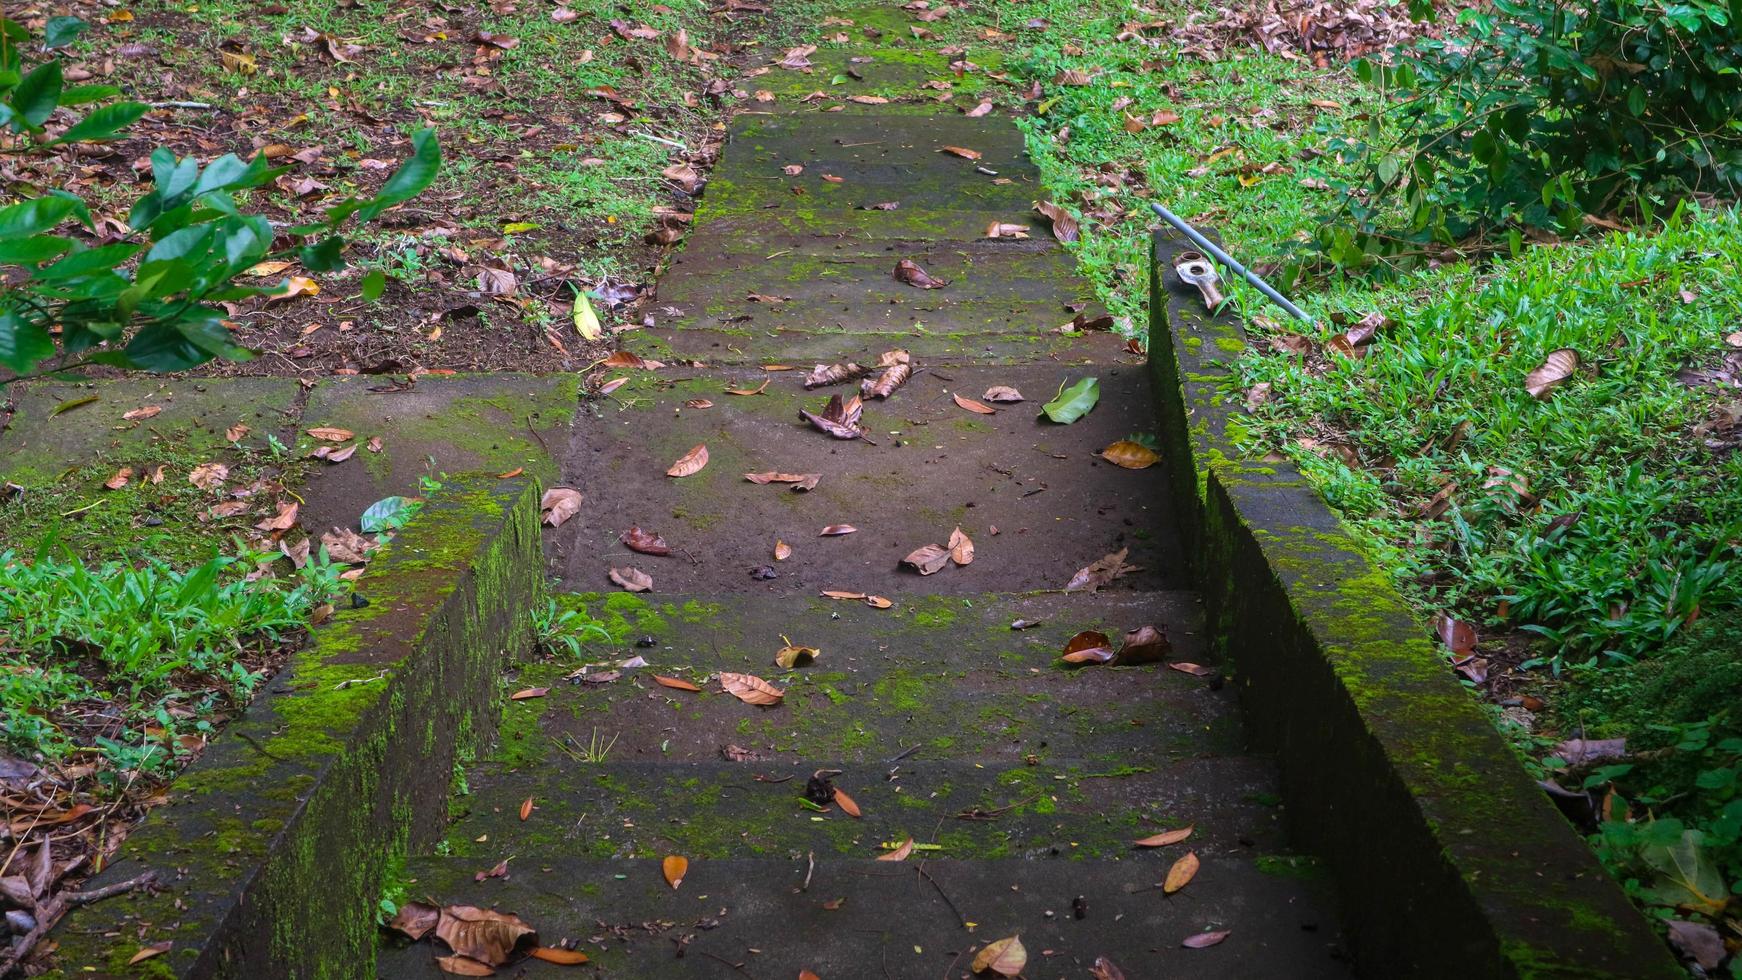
[[49, 915], [923, 873], [736, 966], [810, 869]]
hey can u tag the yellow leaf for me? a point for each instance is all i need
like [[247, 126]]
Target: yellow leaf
[[1131, 455], [586, 321], [1181, 873], [675, 867]]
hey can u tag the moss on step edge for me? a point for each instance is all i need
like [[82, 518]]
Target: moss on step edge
[[277, 843], [1419, 811]]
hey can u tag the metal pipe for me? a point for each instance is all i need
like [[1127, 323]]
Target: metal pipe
[[1210, 248]]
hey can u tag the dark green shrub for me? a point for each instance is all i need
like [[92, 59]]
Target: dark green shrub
[[1540, 113]]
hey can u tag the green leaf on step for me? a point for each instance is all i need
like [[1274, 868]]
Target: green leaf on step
[[388, 513], [1074, 402], [839, 80], [586, 321]]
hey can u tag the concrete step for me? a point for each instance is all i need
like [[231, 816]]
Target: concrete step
[[860, 918], [714, 342], [940, 678], [930, 466]]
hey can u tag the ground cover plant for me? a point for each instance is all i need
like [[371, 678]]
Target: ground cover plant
[[1570, 524], [573, 136]]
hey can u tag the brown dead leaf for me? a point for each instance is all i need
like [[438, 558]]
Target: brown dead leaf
[[1143, 645], [558, 955], [750, 689], [833, 374], [1130, 455], [632, 579], [759, 389], [1003, 394], [799, 481], [961, 151], [1556, 368], [839, 419], [505, 475], [464, 966], [909, 272], [142, 413], [559, 504], [1101, 572], [236, 433], [973, 406], [1187, 667], [646, 542], [836, 530], [1006, 229], [1181, 874], [928, 559], [900, 853], [415, 919], [528, 693], [689, 463], [490, 937], [334, 454], [675, 683], [792, 655], [1204, 940], [961, 548], [782, 551], [1004, 957], [327, 433], [122, 477], [675, 866], [526, 808], [1088, 647], [1164, 838], [1064, 226], [896, 367], [209, 476], [281, 521]]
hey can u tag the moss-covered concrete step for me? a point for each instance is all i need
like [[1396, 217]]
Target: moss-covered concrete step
[[939, 678], [61, 425], [806, 284], [885, 70], [1033, 495], [769, 230], [958, 809], [858, 918], [494, 423], [860, 161], [717, 343]]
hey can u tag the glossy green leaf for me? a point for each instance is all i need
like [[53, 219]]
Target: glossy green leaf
[[22, 344], [1074, 402]]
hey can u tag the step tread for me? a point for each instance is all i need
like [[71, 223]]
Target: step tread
[[893, 920], [935, 466]]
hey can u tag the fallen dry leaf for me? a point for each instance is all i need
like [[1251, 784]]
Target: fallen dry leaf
[[1130, 455], [1164, 838], [974, 406], [208, 476], [900, 853], [1196, 670], [464, 966], [675, 683], [141, 413], [327, 433], [792, 655], [415, 919], [632, 579], [1101, 572], [759, 389], [839, 419], [1202, 940], [689, 463], [675, 866], [558, 955], [1064, 227], [1143, 645], [750, 689], [122, 477], [1088, 647], [559, 504], [1002, 394], [836, 530], [846, 803], [1557, 367], [236, 433], [961, 151], [646, 542], [928, 559], [1181, 874], [833, 374], [799, 481], [961, 548], [485, 935], [527, 694], [526, 809], [909, 272], [1004, 957], [504, 475], [897, 367], [1006, 229], [782, 551]]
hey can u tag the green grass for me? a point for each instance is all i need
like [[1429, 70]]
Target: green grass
[[119, 661]]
